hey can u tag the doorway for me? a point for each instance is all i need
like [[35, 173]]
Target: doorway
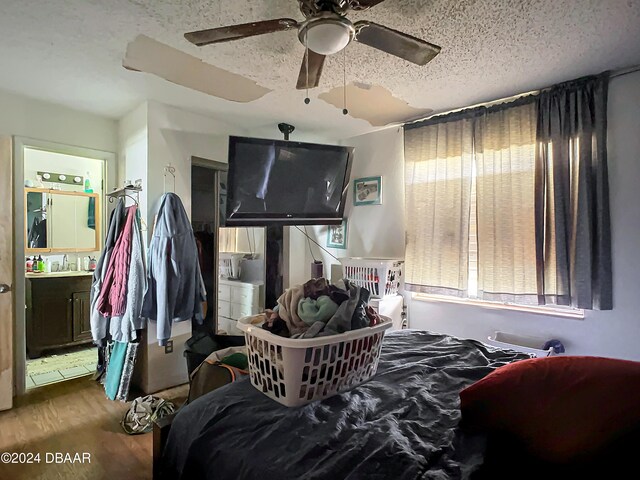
[[232, 259], [59, 192]]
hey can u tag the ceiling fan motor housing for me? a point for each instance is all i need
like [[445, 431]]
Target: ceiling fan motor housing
[[326, 33]]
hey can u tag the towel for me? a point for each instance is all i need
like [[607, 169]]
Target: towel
[[288, 309], [320, 310], [91, 213]]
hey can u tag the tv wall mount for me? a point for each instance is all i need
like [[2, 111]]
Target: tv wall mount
[[286, 129]]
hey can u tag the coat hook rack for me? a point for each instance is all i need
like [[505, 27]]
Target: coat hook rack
[[171, 171], [129, 190]]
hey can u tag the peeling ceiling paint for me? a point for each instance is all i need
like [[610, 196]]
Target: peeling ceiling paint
[[147, 55], [373, 103], [72, 54]]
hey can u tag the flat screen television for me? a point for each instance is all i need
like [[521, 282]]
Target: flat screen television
[[288, 183]]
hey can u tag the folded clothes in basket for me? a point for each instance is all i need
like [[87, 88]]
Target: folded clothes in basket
[[327, 310]]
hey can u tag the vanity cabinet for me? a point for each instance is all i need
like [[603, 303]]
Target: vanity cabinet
[[236, 300], [58, 312]]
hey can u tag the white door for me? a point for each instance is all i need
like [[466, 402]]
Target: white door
[[6, 274]]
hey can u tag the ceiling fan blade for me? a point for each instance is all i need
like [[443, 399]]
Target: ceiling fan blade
[[236, 32], [316, 62], [364, 4], [396, 43]]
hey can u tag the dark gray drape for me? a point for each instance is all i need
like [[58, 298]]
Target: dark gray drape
[[573, 236]]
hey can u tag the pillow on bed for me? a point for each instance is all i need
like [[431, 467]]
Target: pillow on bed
[[561, 408]]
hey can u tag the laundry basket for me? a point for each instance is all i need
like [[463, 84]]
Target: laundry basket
[[381, 276], [295, 372]]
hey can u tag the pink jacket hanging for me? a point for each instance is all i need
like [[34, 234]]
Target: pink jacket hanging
[[113, 294]]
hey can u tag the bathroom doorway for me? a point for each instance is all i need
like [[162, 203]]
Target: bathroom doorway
[[59, 237]]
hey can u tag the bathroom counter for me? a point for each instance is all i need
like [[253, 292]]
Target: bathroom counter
[[58, 274]]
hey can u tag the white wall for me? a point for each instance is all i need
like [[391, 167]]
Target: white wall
[[26, 117], [379, 231], [372, 230], [153, 136], [41, 124]]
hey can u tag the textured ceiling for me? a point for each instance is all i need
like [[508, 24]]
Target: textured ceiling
[[70, 52]]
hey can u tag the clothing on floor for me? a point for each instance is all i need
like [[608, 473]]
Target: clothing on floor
[[288, 309], [143, 412], [175, 290], [320, 310], [113, 292]]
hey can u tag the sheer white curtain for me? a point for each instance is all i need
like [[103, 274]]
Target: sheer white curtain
[[438, 164]]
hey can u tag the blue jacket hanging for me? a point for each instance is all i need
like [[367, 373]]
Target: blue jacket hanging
[[175, 289]]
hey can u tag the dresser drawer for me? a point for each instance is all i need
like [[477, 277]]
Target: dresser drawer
[[224, 309], [239, 310], [224, 292], [245, 295]]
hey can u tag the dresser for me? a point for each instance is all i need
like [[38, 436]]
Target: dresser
[[236, 300]]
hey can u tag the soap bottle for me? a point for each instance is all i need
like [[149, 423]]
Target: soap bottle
[[87, 184], [92, 264], [40, 262], [29, 265]]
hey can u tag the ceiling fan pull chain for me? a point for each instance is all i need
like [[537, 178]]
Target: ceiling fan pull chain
[[344, 81], [306, 61]]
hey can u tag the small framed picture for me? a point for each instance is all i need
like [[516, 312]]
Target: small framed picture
[[337, 235], [367, 191]]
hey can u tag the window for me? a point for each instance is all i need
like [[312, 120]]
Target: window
[[470, 199]]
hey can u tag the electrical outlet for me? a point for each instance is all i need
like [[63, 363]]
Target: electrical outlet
[[168, 348]]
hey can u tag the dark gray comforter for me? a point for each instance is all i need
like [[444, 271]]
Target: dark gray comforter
[[402, 424]]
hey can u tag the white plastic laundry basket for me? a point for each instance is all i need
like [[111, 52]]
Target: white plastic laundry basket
[[294, 372], [381, 276], [520, 343]]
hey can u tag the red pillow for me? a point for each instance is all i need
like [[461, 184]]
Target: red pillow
[[561, 408]]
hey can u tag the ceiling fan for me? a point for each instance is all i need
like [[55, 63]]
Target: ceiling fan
[[326, 31]]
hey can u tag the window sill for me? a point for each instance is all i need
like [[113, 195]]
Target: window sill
[[553, 311]]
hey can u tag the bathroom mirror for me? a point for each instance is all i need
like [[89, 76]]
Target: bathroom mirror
[[59, 221]]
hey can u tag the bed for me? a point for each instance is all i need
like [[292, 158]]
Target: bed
[[438, 408], [402, 424]]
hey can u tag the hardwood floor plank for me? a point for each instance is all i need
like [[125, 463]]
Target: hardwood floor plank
[[76, 417]]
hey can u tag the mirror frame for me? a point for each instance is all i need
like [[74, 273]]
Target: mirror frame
[[62, 192]]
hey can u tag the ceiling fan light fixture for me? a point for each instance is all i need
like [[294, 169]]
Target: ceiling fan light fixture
[[327, 36]]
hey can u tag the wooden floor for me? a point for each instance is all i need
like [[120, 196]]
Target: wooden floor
[[76, 417]]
